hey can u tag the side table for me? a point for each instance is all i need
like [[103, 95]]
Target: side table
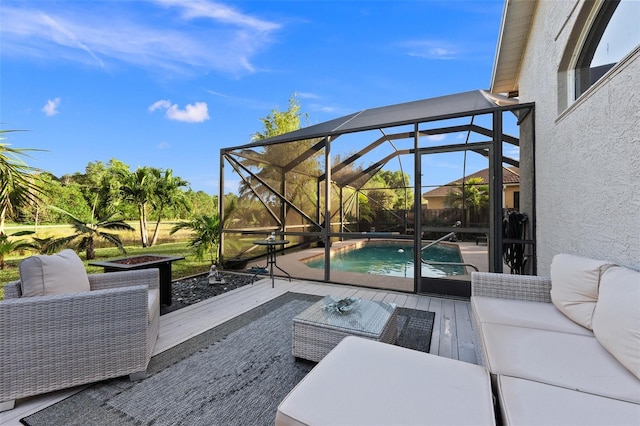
[[271, 257], [161, 262]]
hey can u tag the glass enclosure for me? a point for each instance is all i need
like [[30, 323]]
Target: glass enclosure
[[430, 183]]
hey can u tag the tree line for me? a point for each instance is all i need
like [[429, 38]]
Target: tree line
[[146, 194], [96, 203], [105, 196]]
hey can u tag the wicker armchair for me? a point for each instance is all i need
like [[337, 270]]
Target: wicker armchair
[[64, 340]]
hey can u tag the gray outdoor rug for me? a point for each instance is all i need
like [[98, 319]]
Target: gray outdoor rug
[[234, 374]]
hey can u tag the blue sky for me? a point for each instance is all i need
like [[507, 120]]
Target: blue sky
[[167, 83]]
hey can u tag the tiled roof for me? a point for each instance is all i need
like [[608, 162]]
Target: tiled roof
[[510, 176]]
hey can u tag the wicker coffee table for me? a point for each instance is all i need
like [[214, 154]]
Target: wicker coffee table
[[317, 330]]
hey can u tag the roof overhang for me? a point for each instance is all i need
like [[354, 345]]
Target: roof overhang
[[464, 104], [517, 18]]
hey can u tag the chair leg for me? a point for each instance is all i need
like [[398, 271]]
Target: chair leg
[[139, 375], [7, 405]]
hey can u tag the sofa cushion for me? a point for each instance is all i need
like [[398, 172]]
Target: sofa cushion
[[560, 359], [525, 402], [43, 275], [574, 286], [616, 319], [522, 313]]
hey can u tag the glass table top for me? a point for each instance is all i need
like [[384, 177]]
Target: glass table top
[[361, 316]]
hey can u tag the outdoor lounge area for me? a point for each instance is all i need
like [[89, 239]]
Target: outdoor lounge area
[[557, 341], [521, 343], [452, 335]]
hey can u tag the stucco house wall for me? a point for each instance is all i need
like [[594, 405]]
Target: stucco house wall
[[435, 198], [587, 155], [437, 202], [508, 199]]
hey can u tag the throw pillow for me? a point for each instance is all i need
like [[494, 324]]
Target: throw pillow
[[43, 275], [574, 286], [616, 319]]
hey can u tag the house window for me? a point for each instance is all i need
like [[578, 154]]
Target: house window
[[614, 33], [516, 200]]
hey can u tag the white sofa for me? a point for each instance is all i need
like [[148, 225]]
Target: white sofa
[[564, 349]]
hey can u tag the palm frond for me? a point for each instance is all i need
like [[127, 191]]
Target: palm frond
[[113, 239]]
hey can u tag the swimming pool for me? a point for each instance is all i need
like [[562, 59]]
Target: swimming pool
[[392, 259]]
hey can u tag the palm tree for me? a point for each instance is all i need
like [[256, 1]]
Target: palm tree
[[206, 230], [475, 194], [138, 188], [205, 235], [168, 194], [88, 231], [9, 246], [473, 197], [18, 185], [44, 245]]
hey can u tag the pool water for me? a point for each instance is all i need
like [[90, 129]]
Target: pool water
[[392, 260]]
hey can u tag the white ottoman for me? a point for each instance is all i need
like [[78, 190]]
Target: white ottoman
[[364, 382]]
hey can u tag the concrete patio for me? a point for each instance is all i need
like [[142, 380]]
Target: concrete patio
[[294, 264]]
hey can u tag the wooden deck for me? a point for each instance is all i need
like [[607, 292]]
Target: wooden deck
[[453, 335]]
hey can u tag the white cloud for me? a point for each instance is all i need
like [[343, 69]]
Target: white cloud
[[214, 93], [79, 32], [218, 12], [163, 145], [67, 37], [328, 109], [196, 113], [307, 95], [436, 138], [51, 107], [159, 104], [192, 113], [512, 152], [431, 49]]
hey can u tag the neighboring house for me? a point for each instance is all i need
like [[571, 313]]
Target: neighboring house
[[435, 199], [579, 61]]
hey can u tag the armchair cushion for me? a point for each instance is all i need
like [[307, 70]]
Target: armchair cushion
[[44, 275], [616, 319], [153, 303], [574, 286]]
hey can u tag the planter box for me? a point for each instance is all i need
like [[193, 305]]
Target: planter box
[[145, 261]]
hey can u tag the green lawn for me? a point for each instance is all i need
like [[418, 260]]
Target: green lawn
[[182, 268]]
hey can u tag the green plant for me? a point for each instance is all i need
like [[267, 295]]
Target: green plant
[[18, 185], [184, 268], [87, 231], [138, 188], [206, 230], [474, 194], [44, 245], [8, 246], [168, 194], [205, 235]]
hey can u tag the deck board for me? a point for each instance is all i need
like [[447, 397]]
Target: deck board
[[452, 332], [466, 347], [448, 332], [435, 306]]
